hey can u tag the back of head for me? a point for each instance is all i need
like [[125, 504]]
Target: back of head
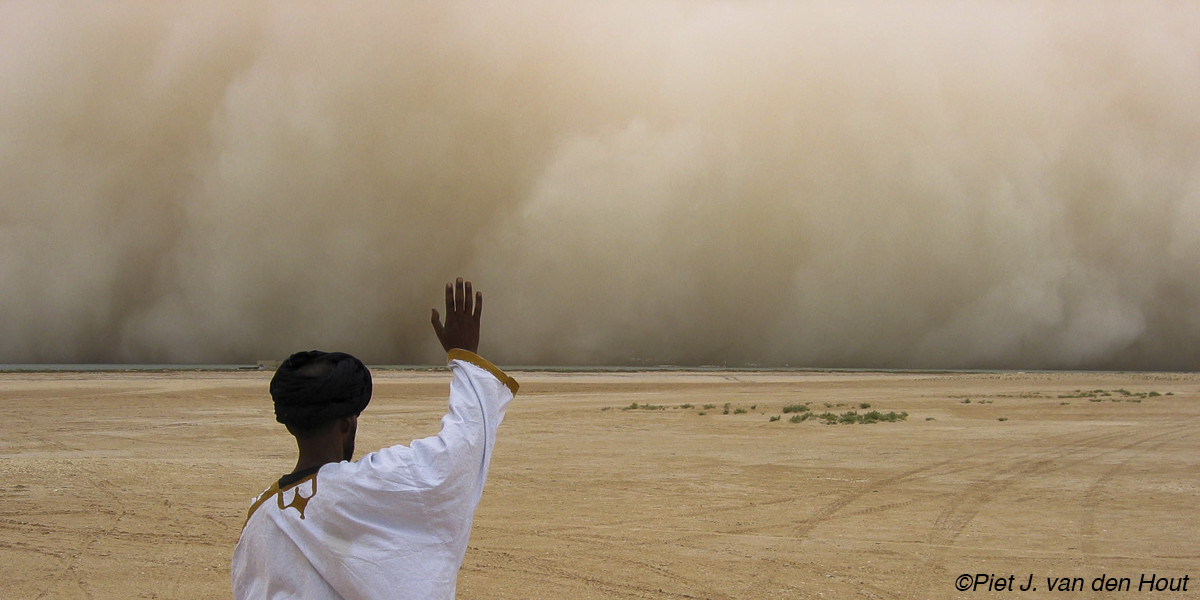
[[314, 388]]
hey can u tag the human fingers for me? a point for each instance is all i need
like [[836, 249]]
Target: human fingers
[[468, 298], [438, 330], [458, 295], [478, 305], [449, 300]]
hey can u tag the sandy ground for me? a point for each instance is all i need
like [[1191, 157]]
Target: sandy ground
[[135, 485]]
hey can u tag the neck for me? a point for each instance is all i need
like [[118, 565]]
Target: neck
[[315, 452]]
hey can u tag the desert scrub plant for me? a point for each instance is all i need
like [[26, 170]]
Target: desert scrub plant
[[893, 416], [1098, 394], [688, 405], [739, 411], [709, 406], [636, 406], [864, 405], [773, 419], [853, 417], [873, 417], [850, 417], [795, 408]]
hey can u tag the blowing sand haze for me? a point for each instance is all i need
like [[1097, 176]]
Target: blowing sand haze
[[987, 184]]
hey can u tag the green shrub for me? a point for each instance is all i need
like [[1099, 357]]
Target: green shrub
[[852, 417]]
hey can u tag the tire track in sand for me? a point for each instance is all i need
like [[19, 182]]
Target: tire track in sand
[[609, 585], [960, 509], [1091, 502]]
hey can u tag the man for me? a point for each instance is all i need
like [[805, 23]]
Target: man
[[395, 523]]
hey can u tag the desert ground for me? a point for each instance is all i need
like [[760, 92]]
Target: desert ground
[[135, 485]]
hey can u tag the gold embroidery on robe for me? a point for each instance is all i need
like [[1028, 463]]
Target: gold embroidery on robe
[[298, 502]]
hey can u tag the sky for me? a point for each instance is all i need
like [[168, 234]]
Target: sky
[[925, 184]]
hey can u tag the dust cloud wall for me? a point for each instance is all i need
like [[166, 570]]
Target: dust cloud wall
[[989, 184]]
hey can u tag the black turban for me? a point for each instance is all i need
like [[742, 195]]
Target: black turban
[[312, 388]]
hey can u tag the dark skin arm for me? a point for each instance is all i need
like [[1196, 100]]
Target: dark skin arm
[[461, 329]]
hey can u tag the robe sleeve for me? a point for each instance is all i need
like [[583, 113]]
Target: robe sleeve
[[451, 467]]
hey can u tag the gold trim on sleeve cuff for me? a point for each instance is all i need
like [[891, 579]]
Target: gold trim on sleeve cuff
[[482, 363]]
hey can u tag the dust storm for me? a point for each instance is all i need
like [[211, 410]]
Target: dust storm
[[909, 185]]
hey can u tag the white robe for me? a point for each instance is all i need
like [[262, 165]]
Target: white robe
[[393, 524]]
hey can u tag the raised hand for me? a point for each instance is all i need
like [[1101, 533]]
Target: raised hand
[[461, 329]]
